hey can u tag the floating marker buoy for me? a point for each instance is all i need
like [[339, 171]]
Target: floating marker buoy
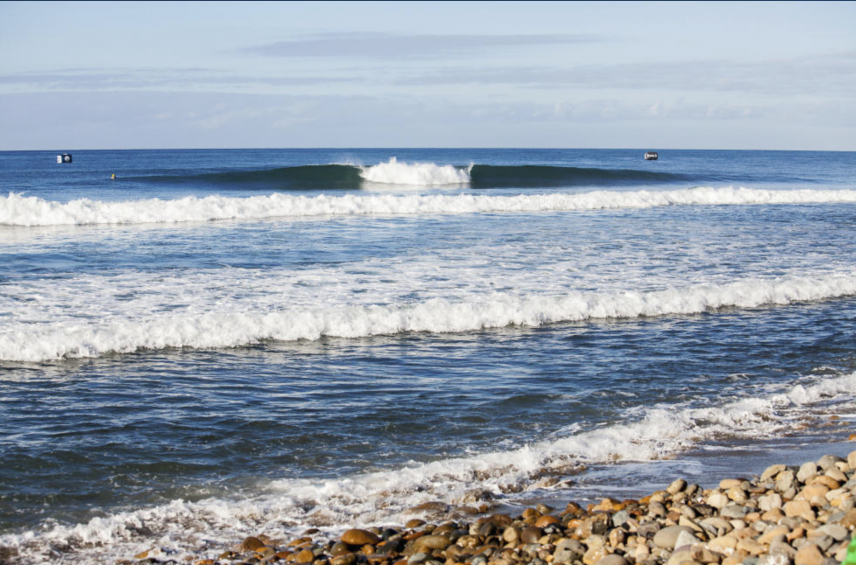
[[64, 158]]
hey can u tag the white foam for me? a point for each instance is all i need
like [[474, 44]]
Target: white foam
[[20, 210], [384, 497], [50, 336], [414, 174]]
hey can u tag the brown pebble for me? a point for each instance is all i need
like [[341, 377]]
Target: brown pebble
[[414, 523], [530, 534], [251, 544], [305, 556], [345, 559], [360, 537], [429, 543], [808, 554], [545, 521]]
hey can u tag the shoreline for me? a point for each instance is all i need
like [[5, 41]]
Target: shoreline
[[786, 515]]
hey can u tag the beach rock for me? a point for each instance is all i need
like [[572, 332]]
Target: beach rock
[[835, 531], [667, 537], [677, 486], [809, 554], [799, 508], [815, 494], [785, 481], [568, 551], [612, 560], [851, 460], [620, 518], [685, 539], [726, 484], [771, 472], [774, 559], [545, 521], [751, 546], [718, 500], [251, 544], [723, 544], [360, 537], [530, 534], [429, 542], [733, 511], [828, 462], [345, 559], [770, 501], [593, 555], [808, 469]]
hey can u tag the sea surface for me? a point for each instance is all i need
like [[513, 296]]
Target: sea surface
[[224, 343]]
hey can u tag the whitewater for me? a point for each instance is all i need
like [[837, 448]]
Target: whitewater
[[73, 339], [21, 210]]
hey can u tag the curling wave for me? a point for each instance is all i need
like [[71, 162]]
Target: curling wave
[[290, 505], [395, 172], [20, 210], [64, 340]]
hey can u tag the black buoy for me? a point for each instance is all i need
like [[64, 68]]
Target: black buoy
[[651, 156], [64, 158]]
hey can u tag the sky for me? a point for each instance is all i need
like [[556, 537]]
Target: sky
[[126, 75]]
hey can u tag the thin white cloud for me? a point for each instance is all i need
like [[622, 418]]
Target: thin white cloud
[[825, 74], [392, 46]]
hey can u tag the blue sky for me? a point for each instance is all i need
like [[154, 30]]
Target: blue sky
[[357, 74]]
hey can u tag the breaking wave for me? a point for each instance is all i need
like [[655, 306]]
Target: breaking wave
[[287, 506], [394, 172], [25, 342], [20, 210]]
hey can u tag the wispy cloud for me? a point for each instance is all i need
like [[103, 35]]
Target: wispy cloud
[[832, 74], [156, 79], [392, 46]]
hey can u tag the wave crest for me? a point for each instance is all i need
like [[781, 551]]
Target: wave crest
[[40, 343], [415, 174], [20, 210]]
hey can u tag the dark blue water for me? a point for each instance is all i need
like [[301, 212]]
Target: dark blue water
[[202, 365]]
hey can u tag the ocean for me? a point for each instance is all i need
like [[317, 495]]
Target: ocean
[[223, 343]]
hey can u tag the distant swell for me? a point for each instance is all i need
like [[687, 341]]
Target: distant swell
[[47, 342], [19, 210], [384, 497], [394, 172]]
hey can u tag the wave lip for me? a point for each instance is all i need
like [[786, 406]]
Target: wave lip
[[645, 434], [20, 210], [38, 343], [415, 174]]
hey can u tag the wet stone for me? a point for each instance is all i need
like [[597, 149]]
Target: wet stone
[[360, 537], [667, 537]]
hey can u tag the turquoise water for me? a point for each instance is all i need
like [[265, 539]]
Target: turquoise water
[[221, 343]]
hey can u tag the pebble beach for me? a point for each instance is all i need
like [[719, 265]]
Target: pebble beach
[[787, 515]]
